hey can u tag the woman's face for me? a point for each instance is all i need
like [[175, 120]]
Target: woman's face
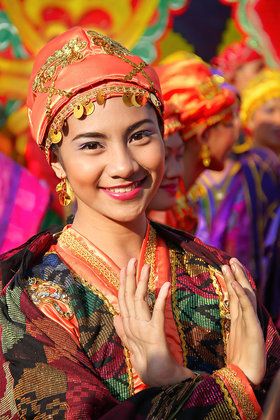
[[246, 72], [265, 125], [113, 159], [166, 194], [221, 138]]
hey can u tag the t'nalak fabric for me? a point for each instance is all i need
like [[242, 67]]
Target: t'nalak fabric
[[61, 358]]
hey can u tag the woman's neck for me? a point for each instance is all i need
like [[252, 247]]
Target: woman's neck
[[119, 241]]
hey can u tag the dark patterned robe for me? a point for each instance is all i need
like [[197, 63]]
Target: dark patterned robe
[[46, 373]]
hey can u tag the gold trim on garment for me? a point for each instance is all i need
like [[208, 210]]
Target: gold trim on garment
[[150, 258], [228, 399], [223, 307], [44, 291], [174, 262], [69, 240], [239, 390]]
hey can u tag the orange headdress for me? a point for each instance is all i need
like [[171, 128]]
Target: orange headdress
[[77, 69], [196, 93], [234, 56]]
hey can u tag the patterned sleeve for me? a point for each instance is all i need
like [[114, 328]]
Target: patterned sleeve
[[43, 373], [225, 395]]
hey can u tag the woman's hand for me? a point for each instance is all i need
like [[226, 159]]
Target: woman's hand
[[246, 346], [142, 332]]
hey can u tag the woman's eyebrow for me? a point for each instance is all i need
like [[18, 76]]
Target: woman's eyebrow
[[90, 135], [98, 135], [138, 124]]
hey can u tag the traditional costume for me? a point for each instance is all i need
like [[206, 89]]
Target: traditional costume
[[60, 354], [198, 99], [239, 212], [234, 56]]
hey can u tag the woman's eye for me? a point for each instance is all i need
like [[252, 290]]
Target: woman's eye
[[91, 145], [140, 135], [269, 110]]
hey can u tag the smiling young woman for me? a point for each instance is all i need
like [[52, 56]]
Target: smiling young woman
[[116, 316]]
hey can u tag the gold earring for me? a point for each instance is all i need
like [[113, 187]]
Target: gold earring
[[205, 155], [65, 192]]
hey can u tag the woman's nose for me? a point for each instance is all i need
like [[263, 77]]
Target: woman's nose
[[173, 167], [121, 163]]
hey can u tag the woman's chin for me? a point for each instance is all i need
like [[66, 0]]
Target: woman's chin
[[126, 217]]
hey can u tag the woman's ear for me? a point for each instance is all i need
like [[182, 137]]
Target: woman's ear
[[203, 135], [56, 164], [58, 169]]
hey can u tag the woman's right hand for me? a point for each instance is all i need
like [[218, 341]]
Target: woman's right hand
[[142, 332]]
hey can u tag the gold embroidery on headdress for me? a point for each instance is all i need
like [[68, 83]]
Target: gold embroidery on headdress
[[81, 105], [46, 76], [209, 89], [112, 47]]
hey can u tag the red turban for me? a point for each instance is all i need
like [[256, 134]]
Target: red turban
[[234, 56], [196, 93], [78, 68]]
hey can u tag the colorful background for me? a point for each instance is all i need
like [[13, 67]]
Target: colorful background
[[151, 28]]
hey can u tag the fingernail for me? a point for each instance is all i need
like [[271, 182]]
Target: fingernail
[[233, 267], [132, 262], [224, 269]]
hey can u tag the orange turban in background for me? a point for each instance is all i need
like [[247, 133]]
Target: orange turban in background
[[234, 56], [198, 96], [77, 69], [171, 117]]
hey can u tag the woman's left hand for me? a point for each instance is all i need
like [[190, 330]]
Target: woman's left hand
[[246, 346]]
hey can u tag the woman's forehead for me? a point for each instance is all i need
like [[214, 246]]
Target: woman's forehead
[[114, 113]]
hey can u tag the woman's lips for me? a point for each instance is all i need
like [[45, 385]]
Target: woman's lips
[[171, 189], [125, 192]]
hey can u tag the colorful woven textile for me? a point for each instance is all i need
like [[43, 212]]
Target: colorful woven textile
[[48, 370], [238, 214]]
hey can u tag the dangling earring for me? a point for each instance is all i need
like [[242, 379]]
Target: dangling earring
[[205, 155], [65, 192]]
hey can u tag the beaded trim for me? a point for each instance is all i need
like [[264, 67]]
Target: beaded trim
[[42, 292], [111, 47], [44, 81], [238, 392], [83, 104], [76, 50], [227, 397], [150, 258], [68, 240]]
